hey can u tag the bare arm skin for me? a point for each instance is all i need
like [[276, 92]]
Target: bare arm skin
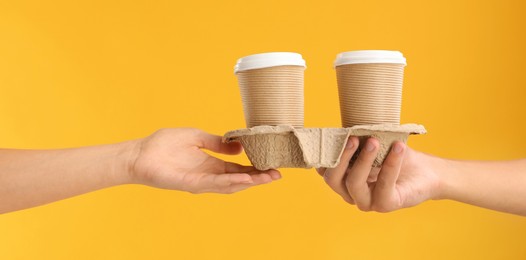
[[499, 185], [408, 178], [169, 159]]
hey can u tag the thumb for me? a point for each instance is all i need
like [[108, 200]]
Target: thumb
[[214, 143]]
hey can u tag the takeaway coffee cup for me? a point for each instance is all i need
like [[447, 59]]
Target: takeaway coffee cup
[[271, 86], [370, 86]]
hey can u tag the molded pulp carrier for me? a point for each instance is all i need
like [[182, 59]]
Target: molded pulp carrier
[[283, 146]]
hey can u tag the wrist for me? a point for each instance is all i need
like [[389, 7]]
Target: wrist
[[126, 156], [443, 169]]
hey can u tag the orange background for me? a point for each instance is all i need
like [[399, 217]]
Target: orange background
[[76, 73]]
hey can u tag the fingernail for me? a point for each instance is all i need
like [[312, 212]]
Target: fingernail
[[249, 181], [397, 148], [349, 144], [370, 146], [274, 175]]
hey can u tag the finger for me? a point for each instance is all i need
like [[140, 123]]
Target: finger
[[384, 189], [220, 183], [334, 177], [274, 174], [223, 182], [230, 167], [261, 178], [233, 182], [257, 178], [356, 181], [214, 143], [321, 171], [373, 174], [239, 187]]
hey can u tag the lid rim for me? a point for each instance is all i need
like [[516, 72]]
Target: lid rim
[[369, 56], [269, 59]]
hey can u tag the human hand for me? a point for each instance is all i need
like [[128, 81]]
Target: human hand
[[405, 179], [174, 159]]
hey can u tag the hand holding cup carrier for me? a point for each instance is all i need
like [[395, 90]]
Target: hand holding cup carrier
[[271, 85]]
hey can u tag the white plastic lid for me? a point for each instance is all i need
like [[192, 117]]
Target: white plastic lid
[[370, 56], [269, 59]]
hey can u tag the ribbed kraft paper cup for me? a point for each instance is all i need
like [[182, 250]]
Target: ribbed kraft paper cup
[[370, 87], [271, 86]]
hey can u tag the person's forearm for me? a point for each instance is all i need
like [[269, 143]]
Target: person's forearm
[[34, 177], [494, 185]]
